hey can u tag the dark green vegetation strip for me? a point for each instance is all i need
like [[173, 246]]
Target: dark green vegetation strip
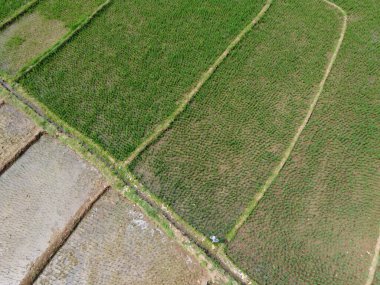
[[9, 7], [222, 149], [318, 224], [124, 73]]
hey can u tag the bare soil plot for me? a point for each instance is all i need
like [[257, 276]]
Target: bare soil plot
[[16, 131], [319, 222], [116, 244], [38, 195], [221, 150], [39, 29]]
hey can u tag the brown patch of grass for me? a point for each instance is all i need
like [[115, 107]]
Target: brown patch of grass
[[27, 38]]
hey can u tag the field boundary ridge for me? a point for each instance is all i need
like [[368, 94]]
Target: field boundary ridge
[[18, 13], [161, 128], [27, 143], [276, 170], [59, 239], [216, 251], [374, 263], [59, 44]]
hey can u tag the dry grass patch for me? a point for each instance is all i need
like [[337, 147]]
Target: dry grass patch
[[39, 29], [27, 38]]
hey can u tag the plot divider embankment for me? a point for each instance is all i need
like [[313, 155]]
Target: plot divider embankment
[[62, 128], [36, 61], [275, 172], [161, 128], [59, 240], [27, 144], [374, 263], [19, 12]]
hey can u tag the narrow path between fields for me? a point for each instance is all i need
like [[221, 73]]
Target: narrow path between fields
[[18, 13], [252, 205], [189, 96], [375, 260]]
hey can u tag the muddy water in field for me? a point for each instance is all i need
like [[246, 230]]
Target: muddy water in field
[[116, 244], [15, 131], [38, 195]]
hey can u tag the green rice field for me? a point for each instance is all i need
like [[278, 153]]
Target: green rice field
[[319, 222], [135, 62], [271, 156]]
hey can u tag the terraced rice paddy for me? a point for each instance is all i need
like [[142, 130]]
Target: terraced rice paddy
[[39, 193], [122, 75]]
